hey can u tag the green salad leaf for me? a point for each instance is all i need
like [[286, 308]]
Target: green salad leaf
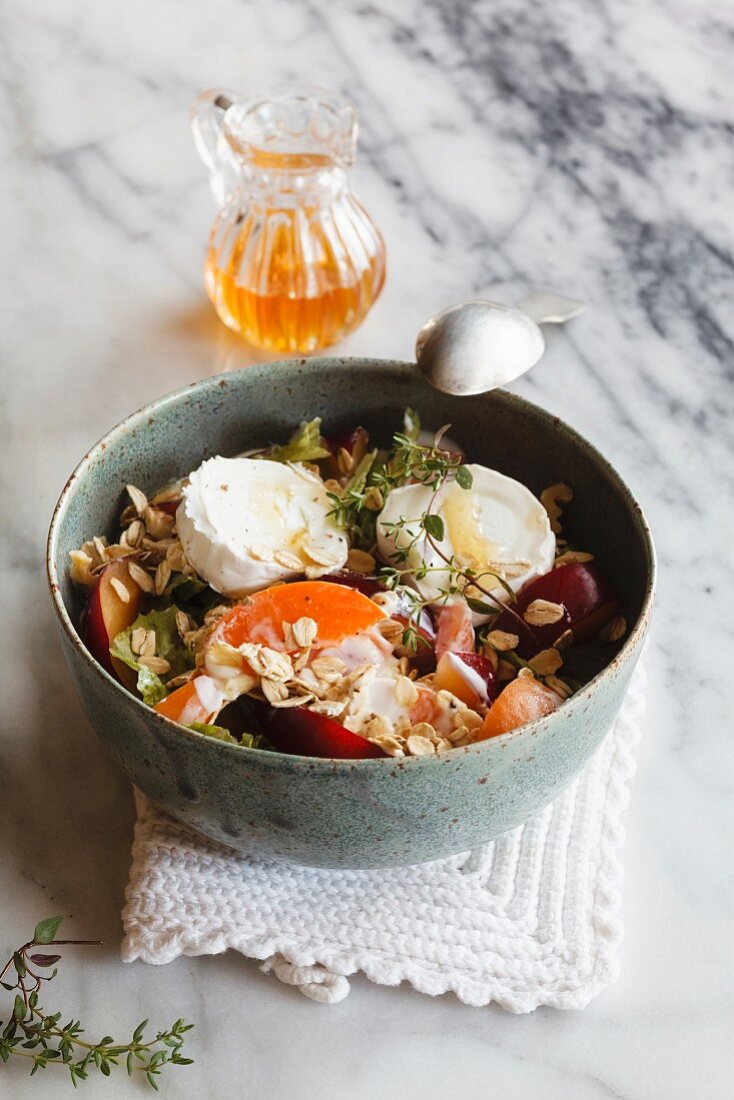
[[186, 588], [219, 732], [192, 594], [249, 740], [168, 645], [150, 686], [303, 446], [358, 480]]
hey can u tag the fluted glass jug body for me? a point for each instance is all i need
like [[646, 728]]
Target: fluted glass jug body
[[294, 261]]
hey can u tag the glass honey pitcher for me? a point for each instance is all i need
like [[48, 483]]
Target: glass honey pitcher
[[294, 261]]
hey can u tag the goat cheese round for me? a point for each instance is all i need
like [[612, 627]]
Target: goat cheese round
[[245, 523], [497, 525]]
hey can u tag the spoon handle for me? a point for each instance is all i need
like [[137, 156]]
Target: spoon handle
[[549, 309]]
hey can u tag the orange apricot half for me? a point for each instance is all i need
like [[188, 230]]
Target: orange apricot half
[[338, 612], [522, 701]]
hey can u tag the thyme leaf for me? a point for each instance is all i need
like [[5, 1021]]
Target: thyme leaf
[[31, 1033], [411, 462]]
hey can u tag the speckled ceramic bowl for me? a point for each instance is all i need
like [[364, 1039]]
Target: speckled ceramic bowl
[[366, 813]]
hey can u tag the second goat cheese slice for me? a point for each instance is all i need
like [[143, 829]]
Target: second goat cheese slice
[[496, 527]]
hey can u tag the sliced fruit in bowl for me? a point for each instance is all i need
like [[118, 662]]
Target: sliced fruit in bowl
[[113, 606], [305, 733], [571, 596], [522, 701], [469, 676]]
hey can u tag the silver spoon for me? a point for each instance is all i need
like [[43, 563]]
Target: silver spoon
[[477, 346]]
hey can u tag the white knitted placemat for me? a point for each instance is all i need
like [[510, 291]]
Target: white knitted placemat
[[527, 920]]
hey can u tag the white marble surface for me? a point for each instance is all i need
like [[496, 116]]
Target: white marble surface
[[504, 144]]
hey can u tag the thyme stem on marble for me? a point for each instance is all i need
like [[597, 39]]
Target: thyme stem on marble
[[31, 1033]]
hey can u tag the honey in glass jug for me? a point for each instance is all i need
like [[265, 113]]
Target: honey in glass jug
[[294, 261]]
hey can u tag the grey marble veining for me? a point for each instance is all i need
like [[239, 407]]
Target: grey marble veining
[[504, 145]]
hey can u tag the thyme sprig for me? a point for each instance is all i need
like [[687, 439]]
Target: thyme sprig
[[432, 465], [356, 505], [352, 508], [30, 1033], [462, 579]]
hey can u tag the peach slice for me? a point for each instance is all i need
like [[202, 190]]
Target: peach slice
[[521, 701], [108, 613]]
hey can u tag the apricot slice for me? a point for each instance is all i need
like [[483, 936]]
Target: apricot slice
[[192, 702], [339, 612], [522, 701]]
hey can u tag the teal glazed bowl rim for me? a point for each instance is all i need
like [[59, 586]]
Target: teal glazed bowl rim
[[221, 381]]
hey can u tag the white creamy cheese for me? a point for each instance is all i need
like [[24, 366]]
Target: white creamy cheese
[[368, 648], [381, 695], [497, 524], [245, 523]]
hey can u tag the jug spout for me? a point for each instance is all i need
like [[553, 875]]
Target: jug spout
[[207, 122]]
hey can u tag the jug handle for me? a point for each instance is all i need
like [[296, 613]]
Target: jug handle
[[225, 170]]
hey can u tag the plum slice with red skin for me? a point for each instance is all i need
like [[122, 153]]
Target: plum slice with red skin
[[589, 628], [453, 675], [481, 665], [355, 442], [107, 615], [302, 732], [583, 592]]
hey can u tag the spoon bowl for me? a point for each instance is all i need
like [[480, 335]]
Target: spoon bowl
[[480, 345], [477, 346]]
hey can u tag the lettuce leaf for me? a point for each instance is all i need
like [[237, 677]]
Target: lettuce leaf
[[186, 588], [249, 740], [358, 480], [192, 594], [303, 446], [150, 686], [168, 645], [219, 732]]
